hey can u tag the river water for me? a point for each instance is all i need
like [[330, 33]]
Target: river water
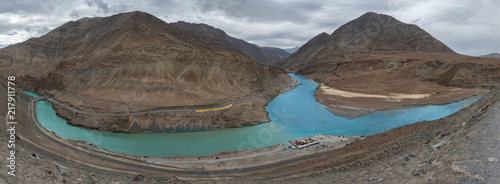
[[294, 114]]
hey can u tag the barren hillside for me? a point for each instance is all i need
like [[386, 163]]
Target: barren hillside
[[136, 62]]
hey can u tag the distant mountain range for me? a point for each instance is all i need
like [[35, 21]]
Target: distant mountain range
[[292, 50], [265, 55], [491, 55], [279, 52]]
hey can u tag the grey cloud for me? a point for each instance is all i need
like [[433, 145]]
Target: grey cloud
[[102, 6], [23, 6], [74, 14], [263, 11], [120, 8], [38, 30], [278, 36]]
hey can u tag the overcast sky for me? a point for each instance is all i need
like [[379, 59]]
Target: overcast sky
[[469, 27]]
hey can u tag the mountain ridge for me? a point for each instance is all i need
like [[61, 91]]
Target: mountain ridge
[[259, 54]]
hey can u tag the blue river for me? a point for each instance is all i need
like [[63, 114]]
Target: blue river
[[293, 115]]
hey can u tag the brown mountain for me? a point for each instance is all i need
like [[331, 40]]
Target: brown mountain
[[377, 62], [491, 55], [306, 53], [369, 33], [253, 51], [136, 62]]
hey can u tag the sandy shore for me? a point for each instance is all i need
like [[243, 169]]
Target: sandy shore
[[390, 97], [356, 101]]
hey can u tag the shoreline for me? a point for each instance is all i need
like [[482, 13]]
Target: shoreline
[[225, 160], [372, 111], [234, 159], [248, 110], [352, 112]]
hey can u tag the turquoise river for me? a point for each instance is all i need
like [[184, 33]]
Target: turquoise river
[[294, 114]]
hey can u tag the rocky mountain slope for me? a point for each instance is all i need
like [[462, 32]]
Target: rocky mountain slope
[[367, 62], [369, 33], [136, 62], [260, 54]]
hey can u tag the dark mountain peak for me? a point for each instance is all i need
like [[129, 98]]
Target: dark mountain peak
[[376, 16], [370, 21], [139, 18], [138, 14], [379, 32], [370, 13], [371, 32], [128, 18], [115, 22]]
